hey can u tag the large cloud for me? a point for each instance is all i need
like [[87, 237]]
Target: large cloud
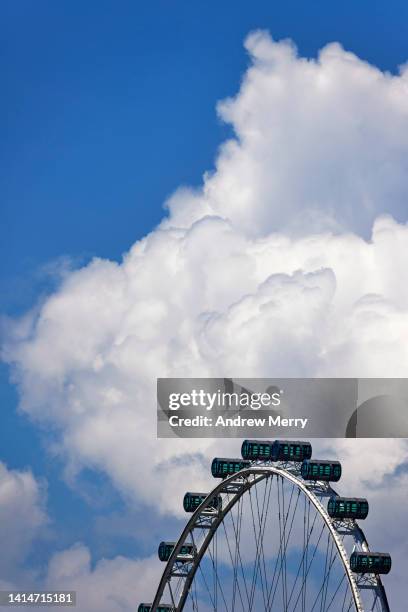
[[312, 306], [244, 278]]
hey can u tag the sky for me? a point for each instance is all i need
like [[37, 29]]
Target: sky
[[116, 143]]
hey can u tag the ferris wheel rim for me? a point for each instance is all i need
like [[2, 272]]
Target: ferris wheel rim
[[263, 471]]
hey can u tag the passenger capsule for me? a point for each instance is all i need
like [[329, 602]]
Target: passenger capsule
[[220, 468], [166, 548], [143, 607], [347, 508], [316, 469], [256, 450], [191, 501], [291, 450], [370, 563]]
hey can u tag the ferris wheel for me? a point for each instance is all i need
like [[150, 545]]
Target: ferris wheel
[[272, 536]]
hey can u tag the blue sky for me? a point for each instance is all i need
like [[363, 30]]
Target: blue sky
[[107, 108], [107, 111]]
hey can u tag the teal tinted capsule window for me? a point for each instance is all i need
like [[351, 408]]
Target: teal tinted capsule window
[[370, 563], [294, 451], [191, 501], [347, 508], [290, 450], [255, 449], [221, 468], [166, 549], [320, 470], [264, 450]]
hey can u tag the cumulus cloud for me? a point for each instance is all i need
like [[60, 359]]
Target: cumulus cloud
[[319, 143], [319, 305], [22, 516], [286, 262], [111, 585]]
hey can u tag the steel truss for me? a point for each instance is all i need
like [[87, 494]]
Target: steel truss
[[179, 572]]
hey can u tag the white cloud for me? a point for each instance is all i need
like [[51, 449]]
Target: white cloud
[[291, 306], [319, 143], [22, 516], [112, 585], [243, 279]]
